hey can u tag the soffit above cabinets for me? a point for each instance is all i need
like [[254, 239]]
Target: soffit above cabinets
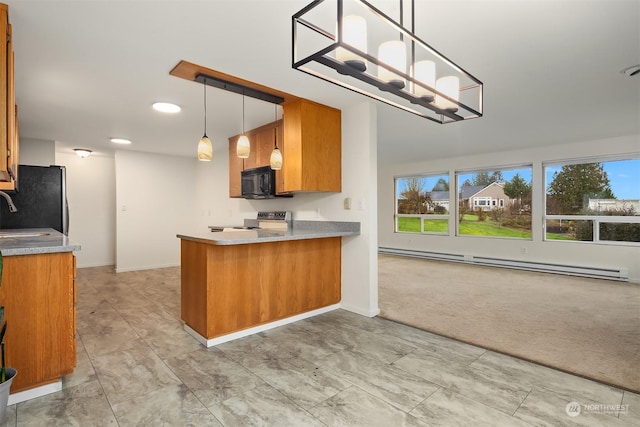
[[194, 72]]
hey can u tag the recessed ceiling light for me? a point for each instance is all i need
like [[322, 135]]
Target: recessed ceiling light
[[166, 107], [120, 141]]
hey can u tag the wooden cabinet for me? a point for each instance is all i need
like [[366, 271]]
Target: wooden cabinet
[[229, 288], [38, 292], [236, 165], [313, 147], [310, 139], [8, 110]]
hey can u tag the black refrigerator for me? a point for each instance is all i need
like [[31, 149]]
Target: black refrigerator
[[41, 200]]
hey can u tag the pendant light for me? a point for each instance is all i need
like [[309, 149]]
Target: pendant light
[[243, 146], [205, 148], [424, 72], [394, 54], [450, 86], [276, 155], [354, 33]]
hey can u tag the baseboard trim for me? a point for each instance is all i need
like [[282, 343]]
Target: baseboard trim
[[149, 267], [619, 274], [257, 329], [33, 393], [360, 311]]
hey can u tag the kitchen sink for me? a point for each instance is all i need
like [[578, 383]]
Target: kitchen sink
[[21, 235]]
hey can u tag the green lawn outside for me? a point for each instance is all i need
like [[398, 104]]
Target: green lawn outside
[[436, 225], [470, 226]]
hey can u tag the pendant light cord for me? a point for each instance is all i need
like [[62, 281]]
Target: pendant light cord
[[243, 113], [275, 128], [205, 106]]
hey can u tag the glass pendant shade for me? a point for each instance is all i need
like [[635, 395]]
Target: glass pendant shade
[[276, 159], [450, 86], [205, 149], [354, 33], [424, 72], [243, 147], [394, 54]]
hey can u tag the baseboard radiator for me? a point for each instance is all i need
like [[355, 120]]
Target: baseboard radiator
[[543, 267]]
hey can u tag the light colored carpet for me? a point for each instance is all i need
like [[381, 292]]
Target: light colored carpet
[[589, 327]]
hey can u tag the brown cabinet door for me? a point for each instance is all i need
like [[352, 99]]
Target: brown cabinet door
[[264, 144], [38, 294], [235, 167], [4, 94]]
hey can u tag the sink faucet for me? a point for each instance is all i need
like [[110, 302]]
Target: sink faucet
[[12, 207]]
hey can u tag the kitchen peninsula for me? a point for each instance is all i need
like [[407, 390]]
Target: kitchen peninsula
[[236, 283]]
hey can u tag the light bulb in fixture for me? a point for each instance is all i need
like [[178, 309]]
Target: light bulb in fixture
[[394, 54], [205, 149], [425, 73], [276, 159], [450, 86], [82, 152], [354, 33], [243, 147]]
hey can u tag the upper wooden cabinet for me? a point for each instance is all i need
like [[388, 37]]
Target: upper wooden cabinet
[[312, 156], [8, 110], [310, 139]]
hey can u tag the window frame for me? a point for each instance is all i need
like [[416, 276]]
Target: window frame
[[423, 216], [596, 219]]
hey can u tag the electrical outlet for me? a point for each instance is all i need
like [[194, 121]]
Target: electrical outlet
[[347, 203], [361, 204]]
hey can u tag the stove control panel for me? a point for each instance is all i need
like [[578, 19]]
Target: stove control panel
[[274, 216]]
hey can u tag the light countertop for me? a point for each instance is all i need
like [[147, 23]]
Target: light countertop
[[28, 241], [299, 230]]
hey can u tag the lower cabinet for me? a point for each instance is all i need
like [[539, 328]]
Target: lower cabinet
[[38, 293]]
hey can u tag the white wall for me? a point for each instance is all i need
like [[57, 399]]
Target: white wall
[[155, 200], [37, 152], [568, 253], [91, 195]]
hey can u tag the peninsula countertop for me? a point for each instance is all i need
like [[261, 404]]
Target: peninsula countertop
[[298, 231], [29, 241]]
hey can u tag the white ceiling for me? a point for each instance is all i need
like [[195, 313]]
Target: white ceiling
[[90, 70]]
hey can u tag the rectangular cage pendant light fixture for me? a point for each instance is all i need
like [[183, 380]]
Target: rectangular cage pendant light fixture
[[354, 45]]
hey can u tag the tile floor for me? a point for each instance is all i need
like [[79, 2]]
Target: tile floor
[[136, 366]]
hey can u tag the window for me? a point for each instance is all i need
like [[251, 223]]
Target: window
[[495, 203], [422, 204], [593, 201]]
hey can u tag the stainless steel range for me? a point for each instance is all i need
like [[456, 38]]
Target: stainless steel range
[[274, 220], [280, 220]]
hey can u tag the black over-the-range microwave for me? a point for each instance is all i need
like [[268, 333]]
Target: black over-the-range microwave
[[260, 183]]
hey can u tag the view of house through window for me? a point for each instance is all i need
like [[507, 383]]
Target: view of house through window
[[495, 203], [593, 201], [422, 204]]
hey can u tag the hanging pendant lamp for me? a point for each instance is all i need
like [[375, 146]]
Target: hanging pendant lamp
[[205, 148], [276, 155], [243, 147]]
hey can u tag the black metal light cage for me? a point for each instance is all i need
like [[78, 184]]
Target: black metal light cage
[[322, 62]]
